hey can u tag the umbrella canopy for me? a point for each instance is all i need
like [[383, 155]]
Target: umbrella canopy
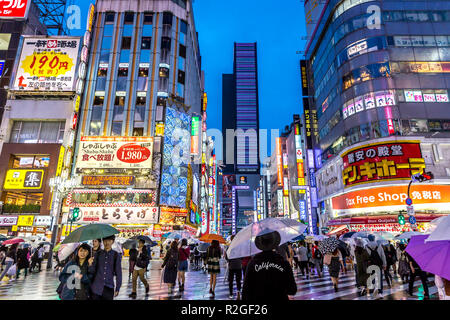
[[65, 250], [243, 244], [2, 237], [146, 239], [299, 238], [91, 232], [209, 237], [12, 241], [431, 256], [442, 231], [117, 247], [130, 244], [328, 245], [361, 234], [194, 241], [203, 246], [408, 234], [56, 248], [347, 235], [384, 235]]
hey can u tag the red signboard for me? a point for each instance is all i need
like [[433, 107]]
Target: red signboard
[[380, 219], [393, 160], [14, 9]]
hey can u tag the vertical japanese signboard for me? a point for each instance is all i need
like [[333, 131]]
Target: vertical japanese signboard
[[279, 162], [47, 64]]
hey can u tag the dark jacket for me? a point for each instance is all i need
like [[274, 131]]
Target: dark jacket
[[234, 264], [12, 253], [142, 259], [85, 282], [362, 262], [22, 259], [269, 277], [171, 255], [133, 253]]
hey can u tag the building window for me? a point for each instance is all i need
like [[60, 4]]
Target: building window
[[126, 43], [116, 129], [181, 76], [119, 101], [96, 113], [182, 51], [163, 72], [166, 43], [109, 17], [118, 113], [167, 18], [148, 18], [98, 100], [418, 125], [37, 132], [161, 101], [129, 17], [23, 199], [94, 129], [138, 132], [4, 40], [146, 43], [183, 27], [102, 72], [140, 101]]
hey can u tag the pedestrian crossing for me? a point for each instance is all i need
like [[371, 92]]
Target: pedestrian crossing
[[42, 286]]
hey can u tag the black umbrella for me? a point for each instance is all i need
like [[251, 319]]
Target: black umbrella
[[147, 240], [130, 244], [203, 246]]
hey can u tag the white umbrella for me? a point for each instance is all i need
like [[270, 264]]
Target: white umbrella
[[408, 234], [66, 250], [117, 247], [361, 234], [442, 230], [243, 244], [384, 235]]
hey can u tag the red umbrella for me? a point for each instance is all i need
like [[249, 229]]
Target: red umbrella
[[13, 241]]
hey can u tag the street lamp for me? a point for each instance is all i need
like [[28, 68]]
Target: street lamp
[[60, 187]]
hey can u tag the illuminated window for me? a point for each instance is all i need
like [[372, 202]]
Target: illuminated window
[[4, 40]]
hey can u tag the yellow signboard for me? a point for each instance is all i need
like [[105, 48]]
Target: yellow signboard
[[60, 161], [159, 129], [23, 179], [25, 221], [14, 228]]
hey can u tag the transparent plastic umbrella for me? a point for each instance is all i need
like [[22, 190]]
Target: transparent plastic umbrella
[[243, 244], [65, 250], [442, 230]]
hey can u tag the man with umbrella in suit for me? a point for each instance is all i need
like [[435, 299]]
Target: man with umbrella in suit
[[269, 276]]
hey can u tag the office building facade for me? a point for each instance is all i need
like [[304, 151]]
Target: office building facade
[[378, 77]]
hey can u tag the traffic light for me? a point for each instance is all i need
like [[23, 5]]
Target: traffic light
[[426, 176], [401, 219], [75, 213]]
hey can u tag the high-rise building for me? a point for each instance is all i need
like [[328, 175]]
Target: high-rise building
[[143, 96], [378, 75], [240, 129]]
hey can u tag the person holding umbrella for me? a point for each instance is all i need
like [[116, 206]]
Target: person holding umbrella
[[416, 271], [170, 264], [106, 265], [269, 276], [83, 278], [213, 262], [133, 253], [22, 261], [11, 258]]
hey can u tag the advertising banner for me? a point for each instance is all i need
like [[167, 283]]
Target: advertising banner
[[6, 221], [279, 162], [176, 157], [25, 221], [115, 152], [392, 196], [109, 215], [42, 220], [229, 180], [127, 181], [47, 64], [394, 160], [175, 216], [23, 179], [14, 9]]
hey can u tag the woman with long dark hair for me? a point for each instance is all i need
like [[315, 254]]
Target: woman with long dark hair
[[183, 256], [77, 268], [170, 264], [213, 260]]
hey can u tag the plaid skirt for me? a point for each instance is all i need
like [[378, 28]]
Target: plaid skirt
[[214, 265]]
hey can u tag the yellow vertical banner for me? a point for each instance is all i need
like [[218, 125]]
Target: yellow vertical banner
[[60, 161]]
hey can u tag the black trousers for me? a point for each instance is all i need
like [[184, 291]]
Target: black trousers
[[423, 278], [231, 274], [108, 294], [304, 267]]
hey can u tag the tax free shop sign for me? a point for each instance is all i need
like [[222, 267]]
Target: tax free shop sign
[[390, 198]]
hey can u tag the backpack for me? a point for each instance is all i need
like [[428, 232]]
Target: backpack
[[374, 258], [142, 262], [317, 254]]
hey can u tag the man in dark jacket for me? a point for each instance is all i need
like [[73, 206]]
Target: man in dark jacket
[[234, 270], [268, 276]]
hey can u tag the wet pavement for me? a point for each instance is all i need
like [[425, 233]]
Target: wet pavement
[[42, 286]]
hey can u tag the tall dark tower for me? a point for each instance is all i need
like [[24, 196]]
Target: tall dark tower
[[241, 170]]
